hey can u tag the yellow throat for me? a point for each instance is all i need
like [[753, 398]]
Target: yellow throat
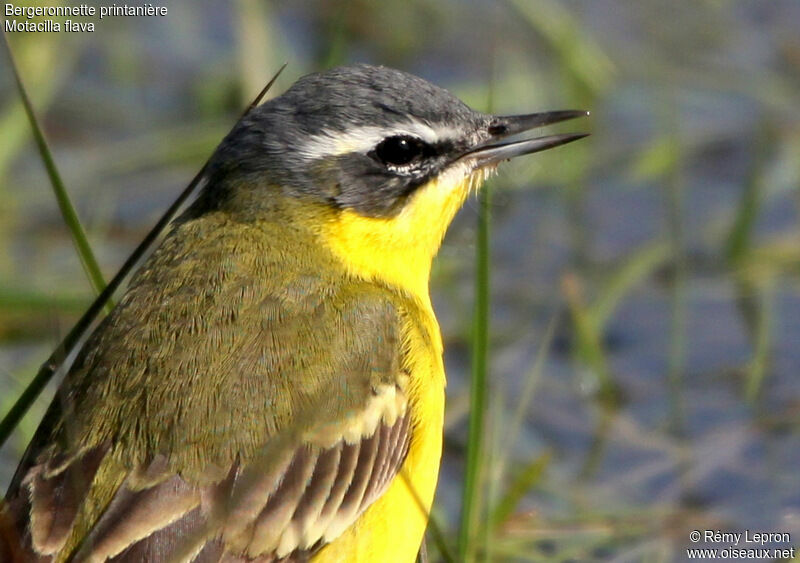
[[399, 250]]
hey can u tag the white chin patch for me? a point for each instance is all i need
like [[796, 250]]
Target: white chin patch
[[454, 175]]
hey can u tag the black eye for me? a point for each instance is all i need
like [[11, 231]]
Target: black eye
[[399, 150]]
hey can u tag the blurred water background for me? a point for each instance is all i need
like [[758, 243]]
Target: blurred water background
[[645, 282]]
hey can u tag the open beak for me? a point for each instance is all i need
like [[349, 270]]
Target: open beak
[[491, 152]]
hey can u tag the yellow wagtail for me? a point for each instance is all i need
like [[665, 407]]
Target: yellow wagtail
[[270, 387]]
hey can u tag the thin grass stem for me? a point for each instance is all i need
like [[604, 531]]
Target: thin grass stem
[[79, 239], [471, 496]]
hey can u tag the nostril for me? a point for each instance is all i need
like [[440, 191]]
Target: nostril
[[497, 129]]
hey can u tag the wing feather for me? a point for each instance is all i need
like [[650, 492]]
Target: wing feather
[[313, 500], [161, 544], [271, 524], [133, 516], [344, 476], [56, 494]]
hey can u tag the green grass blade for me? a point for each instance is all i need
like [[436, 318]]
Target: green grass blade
[[47, 62], [762, 345], [527, 478], [532, 379], [633, 271], [739, 240], [32, 301], [84, 250], [471, 496], [579, 56], [588, 347]]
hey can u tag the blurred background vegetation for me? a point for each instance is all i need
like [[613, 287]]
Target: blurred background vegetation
[[644, 318]]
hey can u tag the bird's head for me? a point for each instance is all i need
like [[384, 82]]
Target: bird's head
[[376, 159]]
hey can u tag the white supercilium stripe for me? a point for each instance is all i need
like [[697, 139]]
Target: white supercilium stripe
[[364, 139]]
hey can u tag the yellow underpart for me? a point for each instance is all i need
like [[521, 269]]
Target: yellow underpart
[[398, 251]]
